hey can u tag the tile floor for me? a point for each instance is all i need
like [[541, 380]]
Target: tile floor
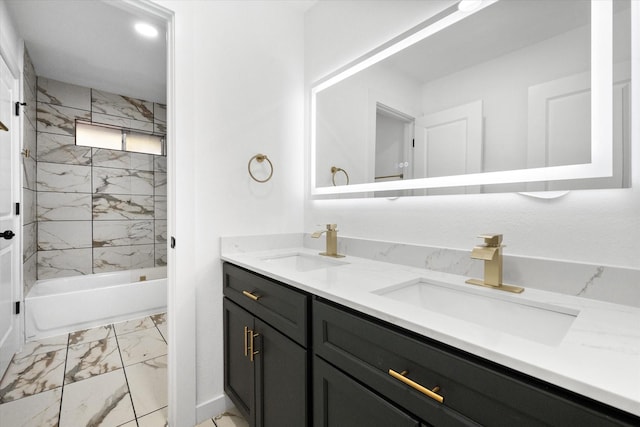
[[110, 376]]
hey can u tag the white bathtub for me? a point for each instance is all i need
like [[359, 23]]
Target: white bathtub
[[59, 306]]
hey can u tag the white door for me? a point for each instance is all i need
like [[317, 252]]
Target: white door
[[10, 258], [447, 143], [559, 129]]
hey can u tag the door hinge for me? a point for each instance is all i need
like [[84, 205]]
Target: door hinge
[[17, 208], [413, 143], [17, 307], [173, 242], [18, 104]]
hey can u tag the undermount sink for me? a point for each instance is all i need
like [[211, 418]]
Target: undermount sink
[[303, 262], [544, 323]]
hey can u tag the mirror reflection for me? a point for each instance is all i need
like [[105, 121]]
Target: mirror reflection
[[505, 88]]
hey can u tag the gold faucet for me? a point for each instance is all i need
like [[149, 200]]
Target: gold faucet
[[491, 254], [332, 241]]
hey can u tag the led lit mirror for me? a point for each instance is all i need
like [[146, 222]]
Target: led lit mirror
[[513, 96]]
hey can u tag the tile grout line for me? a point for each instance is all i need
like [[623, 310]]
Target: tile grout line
[[160, 332], [64, 378], [126, 379]]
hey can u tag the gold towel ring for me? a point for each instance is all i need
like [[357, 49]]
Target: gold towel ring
[[260, 158], [335, 170]]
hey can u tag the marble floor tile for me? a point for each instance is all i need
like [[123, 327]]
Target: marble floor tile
[[148, 385], [87, 360], [95, 389], [93, 334], [32, 375], [207, 423], [141, 345], [154, 419], [40, 410], [133, 325], [45, 345], [103, 400], [159, 319], [161, 323], [231, 418], [163, 330]]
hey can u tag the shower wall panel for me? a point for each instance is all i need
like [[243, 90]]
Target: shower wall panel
[[28, 214], [97, 210]]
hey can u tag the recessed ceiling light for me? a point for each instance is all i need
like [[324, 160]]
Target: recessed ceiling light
[[146, 30], [468, 5]]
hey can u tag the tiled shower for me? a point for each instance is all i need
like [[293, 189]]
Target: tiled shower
[[89, 210]]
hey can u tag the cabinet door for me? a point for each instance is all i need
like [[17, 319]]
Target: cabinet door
[[239, 371], [339, 400], [281, 379]]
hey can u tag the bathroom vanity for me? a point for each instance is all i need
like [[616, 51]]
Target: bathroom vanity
[[266, 367], [312, 340]]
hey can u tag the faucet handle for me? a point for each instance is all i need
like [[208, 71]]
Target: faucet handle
[[493, 240]]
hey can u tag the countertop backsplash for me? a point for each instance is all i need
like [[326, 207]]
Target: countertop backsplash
[[600, 282]]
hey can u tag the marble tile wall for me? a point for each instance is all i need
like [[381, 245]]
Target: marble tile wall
[[95, 210], [29, 225]]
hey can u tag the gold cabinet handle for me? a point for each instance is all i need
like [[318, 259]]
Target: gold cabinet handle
[[251, 351], [431, 393], [246, 348], [250, 295]]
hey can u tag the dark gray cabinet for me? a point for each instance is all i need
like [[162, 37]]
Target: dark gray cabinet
[[265, 371], [473, 391], [292, 359], [239, 370], [341, 401]]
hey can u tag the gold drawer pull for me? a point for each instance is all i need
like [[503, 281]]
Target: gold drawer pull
[[250, 295], [431, 393]]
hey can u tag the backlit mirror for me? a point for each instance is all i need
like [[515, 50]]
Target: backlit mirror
[[513, 96]]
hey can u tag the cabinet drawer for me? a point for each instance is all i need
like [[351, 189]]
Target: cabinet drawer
[[473, 390], [341, 401], [278, 305]]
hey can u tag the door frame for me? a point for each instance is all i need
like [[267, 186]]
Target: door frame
[[181, 304]]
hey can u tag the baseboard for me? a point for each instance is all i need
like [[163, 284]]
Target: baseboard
[[213, 407]]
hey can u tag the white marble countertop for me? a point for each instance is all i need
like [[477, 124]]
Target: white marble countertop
[[598, 357]]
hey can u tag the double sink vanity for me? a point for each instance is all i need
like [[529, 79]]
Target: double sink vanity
[[350, 341], [466, 102]]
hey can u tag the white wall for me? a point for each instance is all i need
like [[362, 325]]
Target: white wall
[[501, 83], [595, 226], [346, 121], [10, 42], [238, 92]]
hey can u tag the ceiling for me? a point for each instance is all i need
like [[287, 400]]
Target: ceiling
[[92, 43], [490, 33]]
